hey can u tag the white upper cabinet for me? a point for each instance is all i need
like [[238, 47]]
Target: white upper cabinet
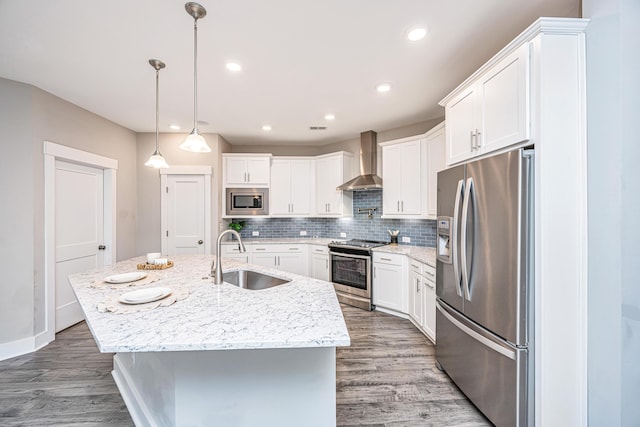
[[246, 170], [490, 112], [402, 181], [333, 170], [291, 186], [435, 147]]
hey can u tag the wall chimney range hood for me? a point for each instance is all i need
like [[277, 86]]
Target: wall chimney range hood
[[367, 180]]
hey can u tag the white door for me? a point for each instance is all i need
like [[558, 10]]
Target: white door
[[185, 214], [79, 232]]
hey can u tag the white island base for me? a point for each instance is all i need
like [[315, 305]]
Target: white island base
[[265, 387]]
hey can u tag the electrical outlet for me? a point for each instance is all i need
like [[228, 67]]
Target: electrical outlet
[[343, 234], [406, 239], [255, 233], [303, 233]]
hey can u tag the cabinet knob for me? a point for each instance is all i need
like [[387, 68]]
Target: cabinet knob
[[102, 247], [200, 242]]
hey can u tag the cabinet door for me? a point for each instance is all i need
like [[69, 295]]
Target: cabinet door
[[409, 168], [292, 263], [429, 308], [387, 286], [329, 175], [414, 293], [279, 194], [264, 259], [258, 170], [460, 115], [320, 266], [300, 187], [504, 102], [435, 147], [392, 179], [236, 170]]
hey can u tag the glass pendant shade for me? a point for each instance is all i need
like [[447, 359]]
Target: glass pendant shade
[[195, 143], [157, 161]]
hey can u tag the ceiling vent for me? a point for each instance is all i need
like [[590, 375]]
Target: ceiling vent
[[320, 127]]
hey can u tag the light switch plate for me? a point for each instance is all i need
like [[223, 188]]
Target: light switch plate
[[343, 234], [255, 233], [406, 239], [303, 233]]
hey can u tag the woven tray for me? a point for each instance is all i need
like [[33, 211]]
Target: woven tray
[[146, 266]]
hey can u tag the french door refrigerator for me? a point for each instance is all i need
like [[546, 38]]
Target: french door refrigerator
[[484, 284]]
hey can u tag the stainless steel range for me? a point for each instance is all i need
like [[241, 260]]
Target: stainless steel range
[[351, 271]]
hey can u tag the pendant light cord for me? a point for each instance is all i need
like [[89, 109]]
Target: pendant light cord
[[195, 74], [157, 108]]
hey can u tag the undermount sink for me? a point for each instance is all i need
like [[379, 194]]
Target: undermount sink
[[252, 280]]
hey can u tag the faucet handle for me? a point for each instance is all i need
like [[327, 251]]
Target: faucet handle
[[213, 267]]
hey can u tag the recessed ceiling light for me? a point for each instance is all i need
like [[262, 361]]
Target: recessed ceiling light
[[232, 66], [174, 127], [329, 117], [266, 128], [416, 34], [383, 87]]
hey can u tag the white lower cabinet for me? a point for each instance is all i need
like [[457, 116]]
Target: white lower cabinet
[[319, 262], [232, 251], [389, 289], [422, 297], [290, 258]]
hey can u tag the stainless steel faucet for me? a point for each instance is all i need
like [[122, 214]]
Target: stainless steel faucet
[[216, 268]]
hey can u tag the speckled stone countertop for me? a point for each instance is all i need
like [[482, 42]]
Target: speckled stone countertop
[[419, 253], [302, 313], [423, 254]]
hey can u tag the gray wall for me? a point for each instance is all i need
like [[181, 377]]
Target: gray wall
[[149, 233], [28, 117], [613, 67]]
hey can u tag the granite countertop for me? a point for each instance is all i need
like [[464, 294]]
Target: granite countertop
[[423, 254], [419, 253], [302, 313]]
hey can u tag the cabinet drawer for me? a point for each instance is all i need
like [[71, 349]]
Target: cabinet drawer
[[384, 258], [230, 249], [319, 249], [415, 266], [429, 272], [274, 248]]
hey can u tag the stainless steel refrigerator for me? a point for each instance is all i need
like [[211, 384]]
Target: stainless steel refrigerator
[[484, 279]]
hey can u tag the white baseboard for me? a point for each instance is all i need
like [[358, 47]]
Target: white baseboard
[[17, 348]]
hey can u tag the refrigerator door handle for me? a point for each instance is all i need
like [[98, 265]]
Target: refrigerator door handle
[[475, 335], [454, 237], [468, 193]]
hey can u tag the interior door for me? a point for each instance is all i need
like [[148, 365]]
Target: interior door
[[185, 214], [79, 229]]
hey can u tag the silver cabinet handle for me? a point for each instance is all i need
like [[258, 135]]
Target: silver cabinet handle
[[327, 263], [294, 249], [245, 177], [471, 140], [414, 266], [402, 206], [463, 238], [385, 259], [478, 140], [248, 176], [429, 274], [454, 237], [429, 284], [260, 249], [417, 285], [398, 206]]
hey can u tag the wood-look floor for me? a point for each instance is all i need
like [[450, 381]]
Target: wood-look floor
[[386, 378]]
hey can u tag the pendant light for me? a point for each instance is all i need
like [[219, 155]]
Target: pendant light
[[156, 160], [195, 142]]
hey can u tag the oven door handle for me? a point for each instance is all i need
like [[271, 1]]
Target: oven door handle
[[350, 255]]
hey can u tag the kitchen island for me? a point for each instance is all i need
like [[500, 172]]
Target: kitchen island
[[223, 355]]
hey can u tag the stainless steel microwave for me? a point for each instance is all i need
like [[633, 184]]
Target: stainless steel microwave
[[247, 201]]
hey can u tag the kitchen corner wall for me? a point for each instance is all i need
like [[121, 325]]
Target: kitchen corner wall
[[422, 232]]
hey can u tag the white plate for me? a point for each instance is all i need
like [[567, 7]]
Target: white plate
[[126, 277], [142, 296]]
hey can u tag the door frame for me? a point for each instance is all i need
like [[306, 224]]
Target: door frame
[[53, 152], [185, 170]]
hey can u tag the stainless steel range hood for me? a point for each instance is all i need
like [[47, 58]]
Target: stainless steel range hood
[[367, 180]]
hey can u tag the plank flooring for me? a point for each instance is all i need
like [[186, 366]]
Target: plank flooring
[[386, 378]]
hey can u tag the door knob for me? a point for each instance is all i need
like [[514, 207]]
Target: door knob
[[200, 242], [102, 247]]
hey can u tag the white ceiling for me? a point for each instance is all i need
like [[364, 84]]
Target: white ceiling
[[301, 60]]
